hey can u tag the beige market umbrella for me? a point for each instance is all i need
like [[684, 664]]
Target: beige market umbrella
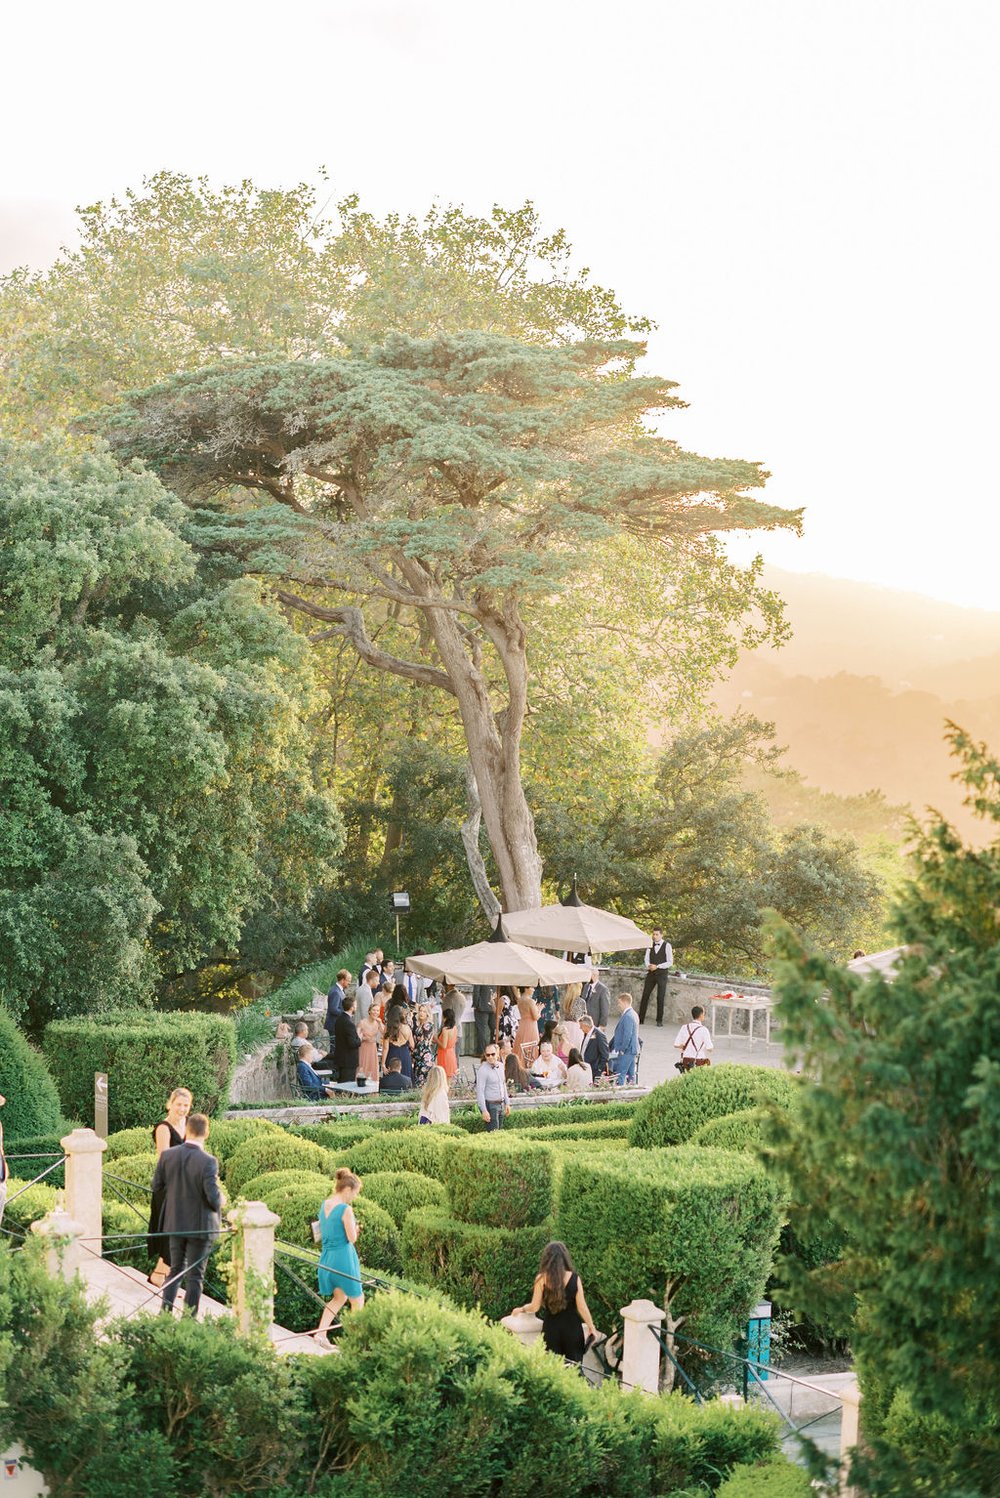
[[575, 927], [497, 961]]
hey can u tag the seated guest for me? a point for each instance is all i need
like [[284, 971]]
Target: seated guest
[[306, 1051], [394, 1081], [560, 1042], [595, 1048], [513, 1069], [549, 1033], [548, 1069], [313, 1086], [434, 1105], [579, 1077]]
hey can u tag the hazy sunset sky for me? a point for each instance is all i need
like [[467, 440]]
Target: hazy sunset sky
[[801, 194]]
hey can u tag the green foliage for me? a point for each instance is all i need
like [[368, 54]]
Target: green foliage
[[137, 1169], [32, 1106], [227, 1134], [673, 1112], [743, 1130], [499, 1182], [161, 796], [131, 1141], [273, 1180], [554, 1112], [690, 1229], [690, 846], [399, 1191], [492, 1268], [337, 1135], [455, 1404], [611, 1128], [419, 1149], [146, 1055], [773, 1479], [272, 1151], [897, 1146]]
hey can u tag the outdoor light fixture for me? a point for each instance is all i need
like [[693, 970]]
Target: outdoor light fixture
[[399, 904]]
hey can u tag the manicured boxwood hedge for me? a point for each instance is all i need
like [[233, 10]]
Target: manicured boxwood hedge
[[137, 1168], [420, 1149], [552, 1113], [266, 1152], [251, 1191], [676, 1110], [734, 1131], [146, 1053], [499, 1181], [26, 1082], [611, 1128], [489, 1267], [704, 1221], [433, 1402], [337, 1135], [227, 1134], [400, 1191]]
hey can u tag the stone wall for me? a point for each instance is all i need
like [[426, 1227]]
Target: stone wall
[[683, 991], [266, 1075]]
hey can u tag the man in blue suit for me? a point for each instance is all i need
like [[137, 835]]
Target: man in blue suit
[[625, 1042]]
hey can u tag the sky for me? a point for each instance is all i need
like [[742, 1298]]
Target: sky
[[800, 193]]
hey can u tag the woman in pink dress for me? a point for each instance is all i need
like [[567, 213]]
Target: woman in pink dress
[[447, 1053], [370, 1030], [526, 1039]]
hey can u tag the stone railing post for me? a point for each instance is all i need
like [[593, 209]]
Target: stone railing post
[[524, 1325], [62, 1246], [253, 1266], [850, 1418], [640, 1364], [83, 1150]]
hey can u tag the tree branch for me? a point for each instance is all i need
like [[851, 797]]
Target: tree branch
[[350, 623]]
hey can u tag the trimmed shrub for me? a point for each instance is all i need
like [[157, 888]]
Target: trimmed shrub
[[776, 1479], [298, 1207], [274, 1180], [146, 1053], [499, 1182], [611, 1128], [734, 1131], [129, 1142], [266, 1152], [674, 1111], [46, 1148], [32, 1106], [465, 1401], [703, 1222], [31, 1204], [553, 1112], [227, 1134], [137, 1168], [338, 1135], [419, 1149], [486, 1267], [400, 1191]]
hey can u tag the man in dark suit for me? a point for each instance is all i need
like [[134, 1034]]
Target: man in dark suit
[[597, 997], [188, 1177], [595, 1046], [346, 1042]]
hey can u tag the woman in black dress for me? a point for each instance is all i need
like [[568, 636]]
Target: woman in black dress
[[168, 1132], [558, 1297]]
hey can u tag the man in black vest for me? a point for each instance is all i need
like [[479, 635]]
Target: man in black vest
[[657, 963]]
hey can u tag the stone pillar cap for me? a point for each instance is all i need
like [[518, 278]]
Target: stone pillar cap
[[252, 1215], [642, 1310], [57, 1223], [83, 1142]]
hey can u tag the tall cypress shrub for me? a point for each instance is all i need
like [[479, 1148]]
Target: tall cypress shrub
[[32, 1106]]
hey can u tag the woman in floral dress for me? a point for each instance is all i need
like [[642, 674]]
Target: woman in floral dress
[[424, 1045]]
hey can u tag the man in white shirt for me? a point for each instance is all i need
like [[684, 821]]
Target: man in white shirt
[[694, 1041], [658, 961]]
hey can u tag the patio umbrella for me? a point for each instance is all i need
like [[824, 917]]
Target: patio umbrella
[[575, 927], [496, 961]]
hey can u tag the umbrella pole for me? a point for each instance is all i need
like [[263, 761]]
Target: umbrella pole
[[496, 1018]]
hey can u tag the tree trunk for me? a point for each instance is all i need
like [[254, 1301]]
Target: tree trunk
[[473, 852], [494, 744]]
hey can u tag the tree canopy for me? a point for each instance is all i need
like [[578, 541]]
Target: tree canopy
[[897, 1146], [458, 479], [155, 768]]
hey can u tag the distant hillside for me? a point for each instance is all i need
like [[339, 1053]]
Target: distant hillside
[[861, 694]]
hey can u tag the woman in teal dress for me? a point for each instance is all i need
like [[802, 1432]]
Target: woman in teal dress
[[339, 1270]]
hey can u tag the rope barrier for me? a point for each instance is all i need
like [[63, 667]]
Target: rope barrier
[[126, 1182], [48, 1171], [122, 1197]]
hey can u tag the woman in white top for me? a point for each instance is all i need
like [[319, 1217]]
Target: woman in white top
[[579, 1076], [434, 1105], [548, 1069]]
